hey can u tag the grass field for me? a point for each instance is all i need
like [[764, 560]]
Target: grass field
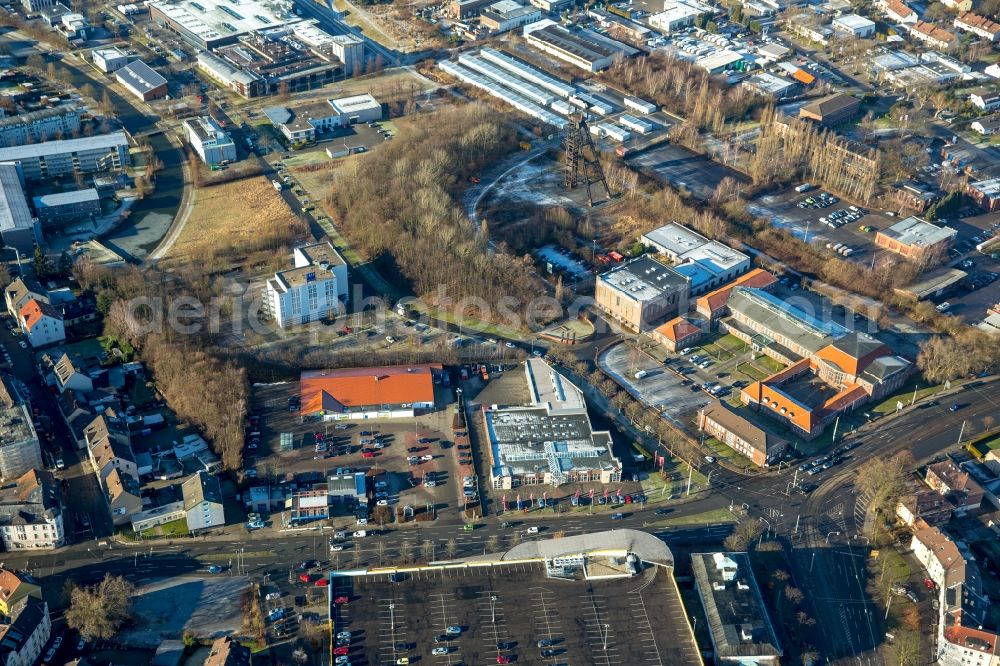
[[177, 527], [888, 406], [730, 455], [769, 364], [751, 371], [731, 343], [220, 223], [704, 518]]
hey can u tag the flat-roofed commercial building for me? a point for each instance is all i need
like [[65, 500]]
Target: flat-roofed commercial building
[[463, 9], [550, 441], [831, 110], [60, 209], [41, 161], [916, 239], [368, 393], [312, 290], [109, 60], [38, 126], [582, 48], [245, 84], [854, 25], [676, 17], [508, 15], [986, 193], [709, 264], [642, 293], [142, 80], [738, 622], [17, 227], [209, 140], [209, 24]]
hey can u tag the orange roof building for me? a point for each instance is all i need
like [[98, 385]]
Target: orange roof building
[[387, 392], [33, 311], [678, 333], [801, 399], [713, 304]]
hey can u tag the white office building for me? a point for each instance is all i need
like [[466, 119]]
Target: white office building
[[211, 143], [109, 60], [708, 264], [315, 288]]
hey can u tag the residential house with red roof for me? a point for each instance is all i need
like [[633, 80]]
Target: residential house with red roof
[[956, 485], [41, 324], [933, 35], [962, 605], [978, 25]]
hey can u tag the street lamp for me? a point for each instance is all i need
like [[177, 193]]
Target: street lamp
[[830, 534], [607, 629]]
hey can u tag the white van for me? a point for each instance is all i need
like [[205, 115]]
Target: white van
[[641, 374]]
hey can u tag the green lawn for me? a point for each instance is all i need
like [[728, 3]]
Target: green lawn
[[897, 568], [986, 444], [705, 518], [731, 343], [769, 364], [888, 406], [735, 458], [174, 528], [658, 488], [715, 351], [751, 371]]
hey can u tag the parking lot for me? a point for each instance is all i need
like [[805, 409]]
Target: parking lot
[[661, 387], [510, 614], [410, 451], [812, 221], [978, 292]]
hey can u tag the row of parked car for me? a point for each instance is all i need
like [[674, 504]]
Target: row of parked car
[[821, 200]]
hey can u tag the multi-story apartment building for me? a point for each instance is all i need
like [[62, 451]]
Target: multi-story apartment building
[[19, 448], [31, 516], [40, 161], [37, 126]]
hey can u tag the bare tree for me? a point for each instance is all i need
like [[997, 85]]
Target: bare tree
[[406, 551], [99, 611], [493, 543], [427, 550], [380, 551], [451, 548]]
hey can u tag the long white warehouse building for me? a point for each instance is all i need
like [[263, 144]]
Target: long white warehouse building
[[505, 78], [518, 101], [527, 72]]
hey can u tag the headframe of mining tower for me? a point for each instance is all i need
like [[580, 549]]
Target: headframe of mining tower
[[581, 161]]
